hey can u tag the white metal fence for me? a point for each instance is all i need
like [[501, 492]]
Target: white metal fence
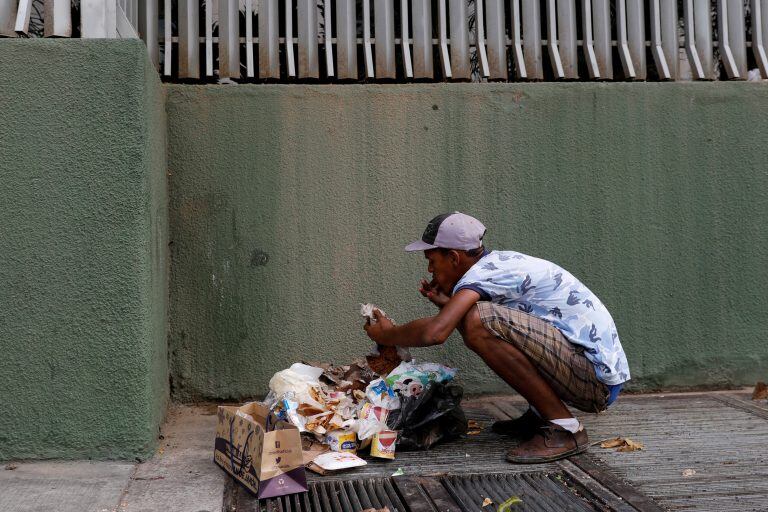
[[404, 40]]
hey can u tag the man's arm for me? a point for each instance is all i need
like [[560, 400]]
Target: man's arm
[[423, 332]]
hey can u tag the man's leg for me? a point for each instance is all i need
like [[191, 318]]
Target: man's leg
[[560, 435], [513, 367]]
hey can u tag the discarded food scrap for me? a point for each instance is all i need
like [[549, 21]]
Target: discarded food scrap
[[486, 502], [760, 392], [624, 444], [474, 427]]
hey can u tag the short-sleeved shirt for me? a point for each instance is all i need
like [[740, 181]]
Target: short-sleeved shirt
[[547, 291]]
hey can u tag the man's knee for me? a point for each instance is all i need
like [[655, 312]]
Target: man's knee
[[472, 330]]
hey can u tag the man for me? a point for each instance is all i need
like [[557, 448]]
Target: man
[[533, 323]]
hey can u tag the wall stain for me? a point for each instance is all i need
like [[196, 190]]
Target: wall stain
[[259, 258]]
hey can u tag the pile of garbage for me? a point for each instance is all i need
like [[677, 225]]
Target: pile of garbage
[[383, 402]]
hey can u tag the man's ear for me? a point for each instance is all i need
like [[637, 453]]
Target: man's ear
[[454, 256]]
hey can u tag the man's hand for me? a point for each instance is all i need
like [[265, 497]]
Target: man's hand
[[433, 293], [377, 330]]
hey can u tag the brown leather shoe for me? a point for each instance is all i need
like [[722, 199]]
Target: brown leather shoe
[[551, 442], [523, 427]]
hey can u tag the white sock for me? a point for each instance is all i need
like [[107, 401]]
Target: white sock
[[572, 425]]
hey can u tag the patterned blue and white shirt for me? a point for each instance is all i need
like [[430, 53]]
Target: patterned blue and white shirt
[[543, 289]]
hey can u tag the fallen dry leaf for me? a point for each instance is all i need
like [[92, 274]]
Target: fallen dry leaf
[[689, 472], [474, 424], [612, 443], [11, 467], [473, 432], [487, 501], [624, 444], [760, 392]]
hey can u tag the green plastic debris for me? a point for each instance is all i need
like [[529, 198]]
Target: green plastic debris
[[507, 505]]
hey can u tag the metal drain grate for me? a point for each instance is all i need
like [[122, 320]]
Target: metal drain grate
[[509, 492], [546, 492], [339, 496]]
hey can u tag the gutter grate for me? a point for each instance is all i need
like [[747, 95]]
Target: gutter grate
[[546, 492], [540, 491], [338, 496]]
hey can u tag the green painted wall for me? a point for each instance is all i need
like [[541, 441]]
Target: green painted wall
[[290, 205], [83, 259]]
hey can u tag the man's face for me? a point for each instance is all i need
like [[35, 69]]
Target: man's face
[[443, 268]]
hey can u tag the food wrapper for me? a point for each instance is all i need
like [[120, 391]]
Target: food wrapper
[[410, 379], [383, 444], [341, 441], [335, 461], [380, 394]]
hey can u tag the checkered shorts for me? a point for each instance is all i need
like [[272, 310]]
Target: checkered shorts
[[561, 363]]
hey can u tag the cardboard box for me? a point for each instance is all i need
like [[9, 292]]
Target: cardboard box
[[267, 463]]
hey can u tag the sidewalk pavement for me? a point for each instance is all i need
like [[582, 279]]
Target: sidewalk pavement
[[702, 451]]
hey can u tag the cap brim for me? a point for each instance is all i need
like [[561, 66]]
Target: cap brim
[[419, 245]]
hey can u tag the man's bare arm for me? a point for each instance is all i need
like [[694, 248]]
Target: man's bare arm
[[424, 332]]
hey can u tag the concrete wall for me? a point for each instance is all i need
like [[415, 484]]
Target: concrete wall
[[290, 205], [83, 259]]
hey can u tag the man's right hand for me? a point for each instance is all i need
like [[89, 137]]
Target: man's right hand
[[433, 293]]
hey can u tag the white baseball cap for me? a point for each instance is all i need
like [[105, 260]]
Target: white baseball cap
[[450, 231]]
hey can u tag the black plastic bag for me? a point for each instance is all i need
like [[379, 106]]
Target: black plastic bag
[[435, 416]]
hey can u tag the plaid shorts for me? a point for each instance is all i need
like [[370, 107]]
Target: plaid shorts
[[562, 363]]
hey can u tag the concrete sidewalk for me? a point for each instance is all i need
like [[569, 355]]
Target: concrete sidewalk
[[703, 451]]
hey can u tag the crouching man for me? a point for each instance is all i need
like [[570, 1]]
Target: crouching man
[[533, 323]]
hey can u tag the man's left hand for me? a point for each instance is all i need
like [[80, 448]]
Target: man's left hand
[[377, 330]]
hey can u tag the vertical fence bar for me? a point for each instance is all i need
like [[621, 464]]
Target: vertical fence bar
[[57, 17], [167, 37], [497, 39], [7, 18], [405, 43], [703, 21], [346, 39], [442, 28], [517, 45], [669, 38], [269, 53], [635, 16], [531, 27], [250, 69], [189, 39], [289, 57], [98, 19], [554, 51], [327, 33], [663, 66], [22, 16], [601, 32], [759, 28], [307, 14], [480, 37], [148, 23], [384, 19], [460, 65], [367, 52], [732, 44], [209, 38], [229, 39], [422, 39], [698, 38], [566, 37], [736, 35], [589, 43], [622, 40]]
